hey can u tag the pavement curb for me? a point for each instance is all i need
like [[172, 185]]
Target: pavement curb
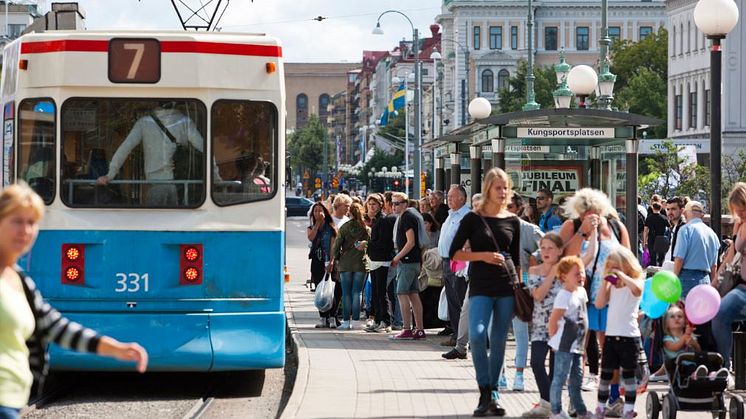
[[304, 366]]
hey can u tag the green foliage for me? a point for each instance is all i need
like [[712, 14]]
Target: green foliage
[[513, 98], [395, 126], [305, 147], [382, 159], [642, 73]]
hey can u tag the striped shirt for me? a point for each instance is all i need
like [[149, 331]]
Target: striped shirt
[[51, 327]]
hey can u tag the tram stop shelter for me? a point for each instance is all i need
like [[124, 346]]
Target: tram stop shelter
[[562, 150]]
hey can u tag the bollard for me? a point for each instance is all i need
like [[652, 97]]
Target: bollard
[[739, 359]]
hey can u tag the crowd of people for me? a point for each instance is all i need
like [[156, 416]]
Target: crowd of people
[[584, 275]]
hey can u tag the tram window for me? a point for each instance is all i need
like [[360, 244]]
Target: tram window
[[244, 143], [36, 145], [133, 153]]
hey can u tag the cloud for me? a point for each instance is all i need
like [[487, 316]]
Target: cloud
[[341, 37]]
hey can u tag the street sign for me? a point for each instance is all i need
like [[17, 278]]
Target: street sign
[[306, 175], [335, 182], [318, 183]]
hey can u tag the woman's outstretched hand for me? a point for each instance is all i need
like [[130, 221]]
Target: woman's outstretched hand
[[128, 352]]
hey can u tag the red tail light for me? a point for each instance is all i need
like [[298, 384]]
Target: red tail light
[[190, 267], [73, 264]]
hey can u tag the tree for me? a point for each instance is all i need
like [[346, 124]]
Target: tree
[[642, 73], [513, 97], [305, 147], [382, 159]]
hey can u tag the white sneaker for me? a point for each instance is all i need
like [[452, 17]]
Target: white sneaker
[[323, 323], [332, 323], [370, 323], [590, 383], [540, 410], [355, 324], [345, 325], [615, 409], [560, 415]]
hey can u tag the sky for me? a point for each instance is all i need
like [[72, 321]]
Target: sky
[[341, 37]]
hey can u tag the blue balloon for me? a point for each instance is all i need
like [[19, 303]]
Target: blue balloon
[[650, 304]]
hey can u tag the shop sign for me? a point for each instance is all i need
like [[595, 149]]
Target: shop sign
[[527, 149], [566, 132], [561, 180]]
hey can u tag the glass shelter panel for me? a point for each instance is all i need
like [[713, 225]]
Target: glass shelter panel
[[564, 165], [133, 153]]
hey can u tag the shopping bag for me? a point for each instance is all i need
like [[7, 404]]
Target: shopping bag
[[324, 295], [645, 258], [443, 306]]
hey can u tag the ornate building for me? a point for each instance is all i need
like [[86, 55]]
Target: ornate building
[[484, 39]]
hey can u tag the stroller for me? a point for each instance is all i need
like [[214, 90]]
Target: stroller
[[688, 394]]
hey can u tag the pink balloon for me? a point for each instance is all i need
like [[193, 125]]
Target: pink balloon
[[702, 304]]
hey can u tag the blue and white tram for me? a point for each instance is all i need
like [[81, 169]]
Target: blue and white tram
[[160, 159]]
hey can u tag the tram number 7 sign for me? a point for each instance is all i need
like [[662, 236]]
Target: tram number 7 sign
[[134, 60]]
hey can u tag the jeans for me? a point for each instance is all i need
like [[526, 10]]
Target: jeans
[[352, 285], [481, 309], [396, 319], [690, 279], [455, 294], [379, 297], [566, 363], [539, 350], [520, 331], [9, 413], [732, 309]]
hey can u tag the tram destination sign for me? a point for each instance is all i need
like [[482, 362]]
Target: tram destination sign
[[566, 132]]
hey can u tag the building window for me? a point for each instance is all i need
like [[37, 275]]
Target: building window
[[615, 33], [550, 38], [488, 81], [496, 37], [645, 31], [323, 104], [688, 36], [673, 41], [514, 37], [707, 107], [679, 112], [693, 110], [301, 106], [477, 37], [502, 79], [14, 30], [681, 38], [581, 38]]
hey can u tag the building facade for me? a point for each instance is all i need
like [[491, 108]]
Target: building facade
[[689, 80], [309, 88], [483, 41]]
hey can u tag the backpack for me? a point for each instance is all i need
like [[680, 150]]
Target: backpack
[[422, 236]]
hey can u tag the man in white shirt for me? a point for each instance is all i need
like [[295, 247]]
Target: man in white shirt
[[340, 208]]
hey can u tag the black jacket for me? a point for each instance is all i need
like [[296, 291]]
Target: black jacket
[[381, 244]]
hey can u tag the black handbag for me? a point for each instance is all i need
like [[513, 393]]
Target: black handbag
[[523, 307]]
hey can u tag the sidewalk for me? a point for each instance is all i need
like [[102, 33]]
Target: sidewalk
[[343, 374]]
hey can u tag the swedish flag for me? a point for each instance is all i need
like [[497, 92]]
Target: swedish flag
[[397, 102]]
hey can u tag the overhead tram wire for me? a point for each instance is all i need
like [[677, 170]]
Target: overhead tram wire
[[320, 18]]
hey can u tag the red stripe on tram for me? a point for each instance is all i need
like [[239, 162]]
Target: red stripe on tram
[[41, 47]]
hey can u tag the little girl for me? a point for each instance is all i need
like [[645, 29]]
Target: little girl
[[544, 286], [678, 338], [568, 326], [622, 291]]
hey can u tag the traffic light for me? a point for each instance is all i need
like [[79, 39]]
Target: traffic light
[[396, 183]]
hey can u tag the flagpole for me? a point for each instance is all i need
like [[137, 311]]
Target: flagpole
[[406, 136]]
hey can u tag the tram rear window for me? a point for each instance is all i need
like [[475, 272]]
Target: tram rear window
[[244, 143], [36, 145], [133, 153]]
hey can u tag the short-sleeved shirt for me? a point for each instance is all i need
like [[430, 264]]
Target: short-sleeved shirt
[[486, 279], [657, 225], [573, 325], [543, 309], [407, 222], [549, 221], [621, 319], [673, 354], [697, 245]]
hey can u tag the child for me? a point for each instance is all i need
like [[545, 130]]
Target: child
[[622, 291], [544, 286], [678, 339], [568, 327]]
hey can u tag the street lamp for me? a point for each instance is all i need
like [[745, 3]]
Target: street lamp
[[417, 114], [562, 95], [480, 108], [582, 81], [715, 18], [396, 80]]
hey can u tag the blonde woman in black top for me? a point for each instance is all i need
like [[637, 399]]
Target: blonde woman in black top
[[490, 283]]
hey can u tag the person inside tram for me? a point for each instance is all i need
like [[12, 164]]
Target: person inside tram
[[28, 323], [160, 132]]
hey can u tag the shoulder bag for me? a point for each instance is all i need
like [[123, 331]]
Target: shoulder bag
[[524, 303], [731, 276]]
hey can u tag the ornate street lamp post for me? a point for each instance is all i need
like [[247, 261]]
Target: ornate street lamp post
[[582, 81], [715, 18]]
